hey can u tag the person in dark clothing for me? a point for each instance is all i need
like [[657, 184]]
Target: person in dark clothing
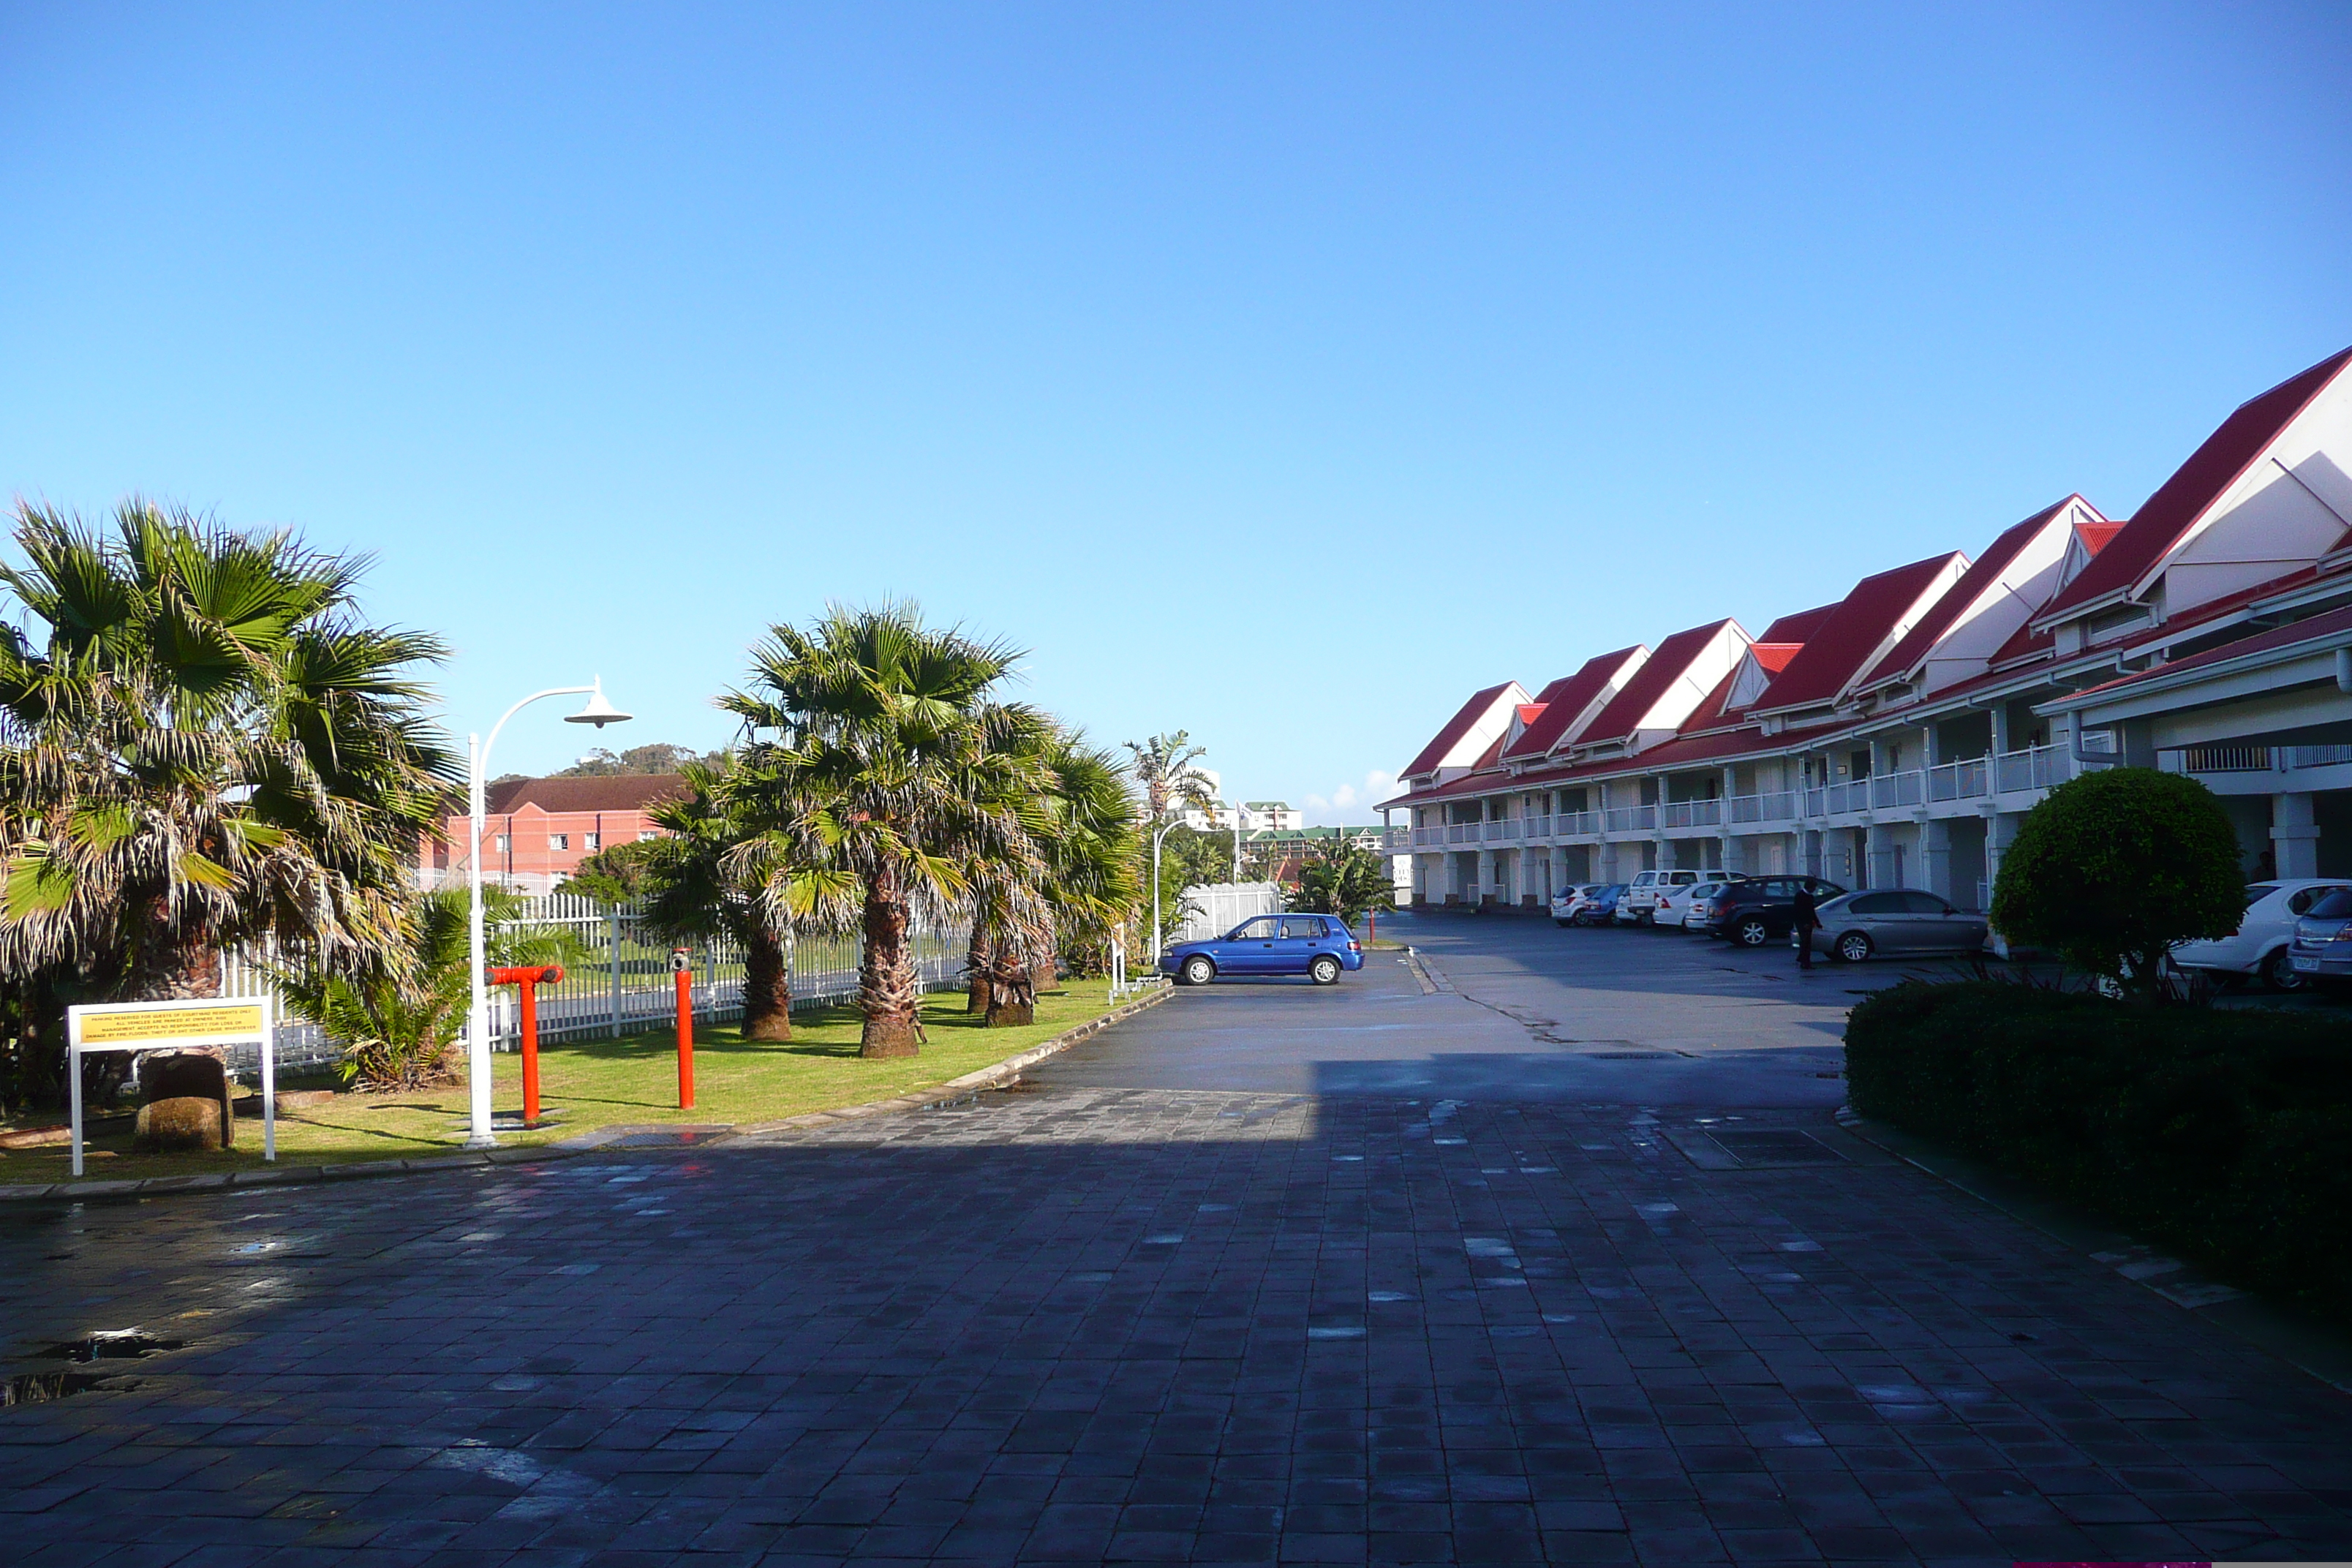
[[1803, 923]]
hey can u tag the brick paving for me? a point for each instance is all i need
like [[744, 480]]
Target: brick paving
[[1078, 1325]]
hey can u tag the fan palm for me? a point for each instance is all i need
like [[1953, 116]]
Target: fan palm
[[882, 735], [202, 744], [397, 1030], [751, 879]]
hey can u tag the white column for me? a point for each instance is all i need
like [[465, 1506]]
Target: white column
[[1935, 853], [2294, 835]]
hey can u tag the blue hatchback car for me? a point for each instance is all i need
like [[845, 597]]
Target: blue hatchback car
[[1317, 946]]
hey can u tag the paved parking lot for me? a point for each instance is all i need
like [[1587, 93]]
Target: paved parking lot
[[1269, 1273]]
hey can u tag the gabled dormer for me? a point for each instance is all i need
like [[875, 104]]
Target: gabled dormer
[[1571, 703], [1959, 635], [1477, 728], [1850, 641], [1664, 692], [2267, 495]]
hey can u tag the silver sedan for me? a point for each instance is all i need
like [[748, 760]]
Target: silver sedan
[[1895, 922]]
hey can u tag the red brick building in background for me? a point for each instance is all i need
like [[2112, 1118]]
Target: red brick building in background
[[537, 831]]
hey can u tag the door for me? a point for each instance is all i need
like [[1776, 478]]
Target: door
[[1251, 949], [1301, 940]]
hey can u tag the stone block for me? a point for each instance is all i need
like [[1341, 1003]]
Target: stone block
[[181, 1122]]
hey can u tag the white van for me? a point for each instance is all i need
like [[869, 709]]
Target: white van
[[1639, 907]]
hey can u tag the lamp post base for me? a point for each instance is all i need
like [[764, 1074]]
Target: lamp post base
[[482, 1140]]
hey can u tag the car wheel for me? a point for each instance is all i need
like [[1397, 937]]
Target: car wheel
[[2278, 972], [1198, 970], [1324, 971], [1852, 947], [1751, 932]]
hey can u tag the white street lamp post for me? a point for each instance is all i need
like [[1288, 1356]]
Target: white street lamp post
[[1172, 825], [597, 712]]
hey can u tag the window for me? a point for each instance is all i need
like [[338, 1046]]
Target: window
[[559, 841], [646, 836], [1920, 903], [592, 842], [1877, 904], [499, 843], [1259, 929], [1298, 926]]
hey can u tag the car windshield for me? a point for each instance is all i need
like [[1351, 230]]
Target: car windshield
[[2335, 906]]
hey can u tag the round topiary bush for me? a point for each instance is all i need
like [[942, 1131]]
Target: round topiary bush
[[2115, 866]]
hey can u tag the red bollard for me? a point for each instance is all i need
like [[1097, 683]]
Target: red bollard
[[681, 962], [527, 982]]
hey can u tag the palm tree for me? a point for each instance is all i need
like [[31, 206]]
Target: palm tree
[[722, 872], [882, 734], [397, 1030], [202, 745], [1346, 879]]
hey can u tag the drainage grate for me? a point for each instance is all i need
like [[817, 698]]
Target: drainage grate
[[1762, 1147]]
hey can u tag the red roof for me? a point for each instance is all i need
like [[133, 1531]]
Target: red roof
[[2277, 636], [1649, 683], [2095, 535], [2213, 468], [1455, 728], [1921, 639], [1850, 635], [1563, 700], [1798, 627], [613, 792]]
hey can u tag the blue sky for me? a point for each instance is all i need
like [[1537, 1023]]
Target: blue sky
[[1276, 372]]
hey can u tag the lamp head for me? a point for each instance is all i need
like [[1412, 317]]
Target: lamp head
[[596, 710]]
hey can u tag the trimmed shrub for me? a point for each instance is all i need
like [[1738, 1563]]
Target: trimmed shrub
[[2115, 866], [2224, 1137]]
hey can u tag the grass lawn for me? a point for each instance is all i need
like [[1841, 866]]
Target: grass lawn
[[588, 1084]]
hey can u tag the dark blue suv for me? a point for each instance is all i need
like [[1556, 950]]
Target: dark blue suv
[[1317, 946]]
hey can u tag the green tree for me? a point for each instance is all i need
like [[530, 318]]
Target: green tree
[[887, 732], [658, 757], [616, 875], [399, 1029], [2115, 868], [745, 875], [1344, 879], [203, 745]]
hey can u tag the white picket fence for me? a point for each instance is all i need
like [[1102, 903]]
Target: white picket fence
[[1215, 909], [622, 982]]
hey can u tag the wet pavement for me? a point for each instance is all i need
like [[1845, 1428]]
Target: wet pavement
[[1346, 1296]]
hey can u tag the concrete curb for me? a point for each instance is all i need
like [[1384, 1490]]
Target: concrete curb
[[681, 1135], [2308, 1347]]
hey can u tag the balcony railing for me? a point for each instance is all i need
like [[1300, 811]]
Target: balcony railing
[[2039, 768], [1691, 814], [1769, 806], [1629, 819], [2238, 758], [1462, 833], [1965, 780], [1539, 827]]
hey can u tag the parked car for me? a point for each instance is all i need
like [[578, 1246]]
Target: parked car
[[1570, 899], [2323, 940], [2262, 944], [1320, 947], [1600, 908], [1640, 904], [1753, 910], [1895, 922], [1677, 905]]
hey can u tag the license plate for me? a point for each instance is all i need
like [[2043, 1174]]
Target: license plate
[[2303, 965]]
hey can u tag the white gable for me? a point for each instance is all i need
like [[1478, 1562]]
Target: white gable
[[2033, 577], [1688, 689], [1615, 683], [2291, 506]]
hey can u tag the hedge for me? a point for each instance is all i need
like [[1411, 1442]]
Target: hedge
[[2223, 1137]]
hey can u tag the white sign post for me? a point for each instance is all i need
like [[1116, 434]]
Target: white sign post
[[172, 1026]]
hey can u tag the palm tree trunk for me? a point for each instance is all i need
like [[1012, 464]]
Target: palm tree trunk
[[1011, 999], [975, 966], [767, 986], [887, 987]]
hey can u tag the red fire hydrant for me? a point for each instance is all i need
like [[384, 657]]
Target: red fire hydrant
[[527, 982], [682, 964]]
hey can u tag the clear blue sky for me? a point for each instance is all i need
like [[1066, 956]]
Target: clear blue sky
[[1280, 372]]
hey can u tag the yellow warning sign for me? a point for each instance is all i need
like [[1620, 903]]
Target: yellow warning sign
[[230, 1020]]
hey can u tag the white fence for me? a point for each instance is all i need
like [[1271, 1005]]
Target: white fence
[[622, 982], [1212, 910]]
